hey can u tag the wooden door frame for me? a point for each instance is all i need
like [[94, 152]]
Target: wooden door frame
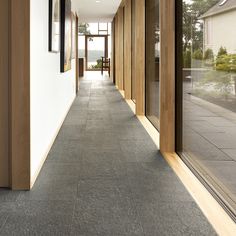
[[86, 48]]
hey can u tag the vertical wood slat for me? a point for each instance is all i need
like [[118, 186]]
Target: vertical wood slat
[[113, 53], [167, 76], [20, 94], [133, 72], [140, 56], [4, 94], [116, 51], [127, 48], [121, 48]]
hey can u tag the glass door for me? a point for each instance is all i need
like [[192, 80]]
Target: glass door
[[206, 95], [96, 47], [152, 62]]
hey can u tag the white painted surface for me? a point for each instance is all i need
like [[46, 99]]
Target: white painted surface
[[220, 31], [91, 11], [52, 92]]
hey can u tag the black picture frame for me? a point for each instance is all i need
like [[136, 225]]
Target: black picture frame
[[54, 26], [66, 36]]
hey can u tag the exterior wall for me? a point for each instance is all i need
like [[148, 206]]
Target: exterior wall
[[52, 92], [220, 31]]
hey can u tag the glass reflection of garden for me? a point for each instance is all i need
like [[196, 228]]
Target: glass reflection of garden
[[207, 76], [209, 97]]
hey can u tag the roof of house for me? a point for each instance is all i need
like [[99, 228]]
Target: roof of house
[[220, 7]]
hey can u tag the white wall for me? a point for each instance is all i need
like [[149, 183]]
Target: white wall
[[52, 92], [220, 30]]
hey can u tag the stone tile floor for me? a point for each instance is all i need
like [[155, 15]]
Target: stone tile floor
[[103, 176]]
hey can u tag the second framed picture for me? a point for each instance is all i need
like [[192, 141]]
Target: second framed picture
[[66, 35], [54, 26]]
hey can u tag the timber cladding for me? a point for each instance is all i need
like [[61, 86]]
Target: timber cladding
[[167, 76], [4, 94], [20, 94], [130, 54], [130, 67], [127, 48], [119, 34]]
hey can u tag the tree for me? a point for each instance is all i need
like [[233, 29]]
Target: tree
[[222, 51], [192, 25], [197, 55], [209, 55], [84, 28]]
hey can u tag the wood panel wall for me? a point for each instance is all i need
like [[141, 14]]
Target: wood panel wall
[[4, 94], [133, 88], [130, 53], [167, 76], [127, 48], [139, 63], [20, 94]]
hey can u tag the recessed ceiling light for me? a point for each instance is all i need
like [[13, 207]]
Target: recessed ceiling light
[[97, 1]]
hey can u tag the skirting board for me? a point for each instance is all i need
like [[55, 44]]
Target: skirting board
[[216, 215], [34, 178]]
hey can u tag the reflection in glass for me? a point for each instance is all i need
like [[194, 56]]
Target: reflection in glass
[[152, 61], [209, 93]]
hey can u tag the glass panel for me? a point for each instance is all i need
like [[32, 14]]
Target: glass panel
[[109, 47], [152, 61], [81, 46], [103, 26], [133, 51], [96, 50], [93, 28], [109, 28], [209, 92]]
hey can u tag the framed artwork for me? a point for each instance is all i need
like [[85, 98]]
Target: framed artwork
[[73, 19], [66, 35], [54, 26]]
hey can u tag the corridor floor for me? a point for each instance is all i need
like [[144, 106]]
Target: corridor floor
[[103, 176]]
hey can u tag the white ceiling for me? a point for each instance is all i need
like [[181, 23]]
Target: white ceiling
[[91, 11]]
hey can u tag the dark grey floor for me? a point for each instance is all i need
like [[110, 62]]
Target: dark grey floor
[[104, 177]]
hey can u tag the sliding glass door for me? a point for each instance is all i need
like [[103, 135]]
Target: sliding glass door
[[96, 47], [206, 127], [152, 61]]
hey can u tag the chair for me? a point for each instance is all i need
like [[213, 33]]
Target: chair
[[106, 65]]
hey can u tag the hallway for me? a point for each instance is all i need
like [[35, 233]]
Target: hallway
[[103, 176]]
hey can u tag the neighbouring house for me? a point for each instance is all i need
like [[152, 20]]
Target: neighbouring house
[[220, 27]]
